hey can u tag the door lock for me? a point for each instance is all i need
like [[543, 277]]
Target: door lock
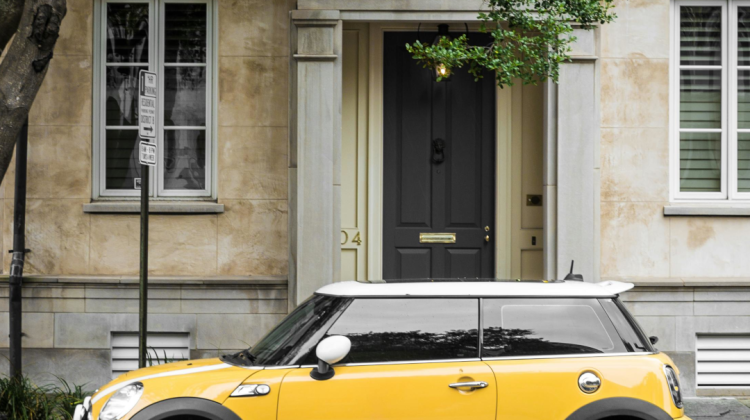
[[486, 228]]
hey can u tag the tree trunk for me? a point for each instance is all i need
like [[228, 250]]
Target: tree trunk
[[25, 65]]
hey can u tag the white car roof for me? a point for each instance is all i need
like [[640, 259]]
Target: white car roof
[[469, 288]]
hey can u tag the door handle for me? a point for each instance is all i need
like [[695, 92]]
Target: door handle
[[472, 385]]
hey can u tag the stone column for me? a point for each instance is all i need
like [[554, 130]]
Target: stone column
[[571, 178], [314, 152]]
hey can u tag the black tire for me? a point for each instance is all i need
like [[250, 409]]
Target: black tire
[[186, 409]]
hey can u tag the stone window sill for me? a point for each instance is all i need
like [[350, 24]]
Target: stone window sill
[[154, 207], [723, 210]]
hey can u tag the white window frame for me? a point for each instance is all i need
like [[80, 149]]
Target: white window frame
[[156, 64], [675, 67]]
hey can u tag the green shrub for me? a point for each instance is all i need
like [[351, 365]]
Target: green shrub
[[21, 399]]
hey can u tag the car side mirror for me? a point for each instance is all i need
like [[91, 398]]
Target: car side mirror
[[329, 351], [653, 339]]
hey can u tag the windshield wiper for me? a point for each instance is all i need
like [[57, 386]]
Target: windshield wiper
[[243, 358]]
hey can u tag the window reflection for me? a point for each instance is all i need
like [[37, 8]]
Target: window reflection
[[185, 33], [525, 327], [127, 33], [388, 330], [122, 159], [185, 159], [185, 96]]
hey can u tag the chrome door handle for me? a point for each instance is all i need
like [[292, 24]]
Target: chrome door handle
[[472, 385]]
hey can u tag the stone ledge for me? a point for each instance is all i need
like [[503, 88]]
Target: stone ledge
[[720, 210], [154, 207], [160, 280], [684, 281]]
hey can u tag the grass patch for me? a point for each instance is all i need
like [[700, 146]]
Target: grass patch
[[21, 399]]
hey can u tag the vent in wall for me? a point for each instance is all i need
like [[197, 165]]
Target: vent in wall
[[722, 361], [162, 347]]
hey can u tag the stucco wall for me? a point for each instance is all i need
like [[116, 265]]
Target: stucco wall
[[249, 238], [635, 236]]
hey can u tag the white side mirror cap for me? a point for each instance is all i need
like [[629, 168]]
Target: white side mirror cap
[[333, 349]]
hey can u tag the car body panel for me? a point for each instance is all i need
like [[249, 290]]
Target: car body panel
[[390, 391], [183, 379], [526, 380], [261, 407]]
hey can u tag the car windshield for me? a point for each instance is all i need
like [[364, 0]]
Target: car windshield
[[298, 333]]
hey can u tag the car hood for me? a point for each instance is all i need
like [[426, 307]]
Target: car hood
[[198, 371]]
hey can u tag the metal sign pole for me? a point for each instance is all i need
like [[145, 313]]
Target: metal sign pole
[[19, 251], [148, 91], [143, 283]]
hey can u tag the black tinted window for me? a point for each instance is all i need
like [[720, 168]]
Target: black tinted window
[[630, 334], [392, 330], [538, 327]]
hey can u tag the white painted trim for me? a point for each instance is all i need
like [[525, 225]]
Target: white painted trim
[[159, 181], [729, 129], [375, 157]]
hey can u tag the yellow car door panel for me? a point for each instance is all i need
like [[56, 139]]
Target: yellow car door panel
[[393, 391]]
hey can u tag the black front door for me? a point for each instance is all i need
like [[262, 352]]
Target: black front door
[[439, 169]]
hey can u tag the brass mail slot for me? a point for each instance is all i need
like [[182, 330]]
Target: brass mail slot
[[437, 238]]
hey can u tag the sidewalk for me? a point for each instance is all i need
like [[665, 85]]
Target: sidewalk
[[715, 408]]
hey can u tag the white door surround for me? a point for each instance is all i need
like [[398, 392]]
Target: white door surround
[[571, 143]]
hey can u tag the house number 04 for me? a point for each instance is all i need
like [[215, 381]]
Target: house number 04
[[357, 239]]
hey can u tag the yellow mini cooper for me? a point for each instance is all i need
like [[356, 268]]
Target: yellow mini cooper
[[477, 350]]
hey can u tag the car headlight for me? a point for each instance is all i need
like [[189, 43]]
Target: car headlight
[[121, 402], [674, 385]]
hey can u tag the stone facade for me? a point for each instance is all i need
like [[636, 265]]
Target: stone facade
[[68, 322], [221, 277], [226, 276]]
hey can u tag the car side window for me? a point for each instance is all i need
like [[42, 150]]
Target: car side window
[[539, 327], [396, 330]]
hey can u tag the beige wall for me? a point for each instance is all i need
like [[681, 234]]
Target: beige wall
[[635, 236], [249, 238], [637, 240]]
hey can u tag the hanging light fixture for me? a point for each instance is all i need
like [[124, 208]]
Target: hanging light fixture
[[442, 72]]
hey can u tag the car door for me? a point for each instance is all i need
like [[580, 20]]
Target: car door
[[538, 348], [410, 359]]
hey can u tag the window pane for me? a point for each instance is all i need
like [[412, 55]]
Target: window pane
[[127, 33], [700, 99], [185, 159], [122, 95], [185, 96], [743, 99], [743, 36], [389, 330], [632, 339], [537, 327], [700, 162], [185, 33], [122, 159], [743, 162], [700, 36]]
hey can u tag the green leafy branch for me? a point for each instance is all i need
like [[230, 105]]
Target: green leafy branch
[[530, 39]]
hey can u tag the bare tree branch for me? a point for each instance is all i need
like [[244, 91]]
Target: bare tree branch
[[24, 67]]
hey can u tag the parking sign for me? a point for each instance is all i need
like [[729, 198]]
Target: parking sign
[[147, 98]]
